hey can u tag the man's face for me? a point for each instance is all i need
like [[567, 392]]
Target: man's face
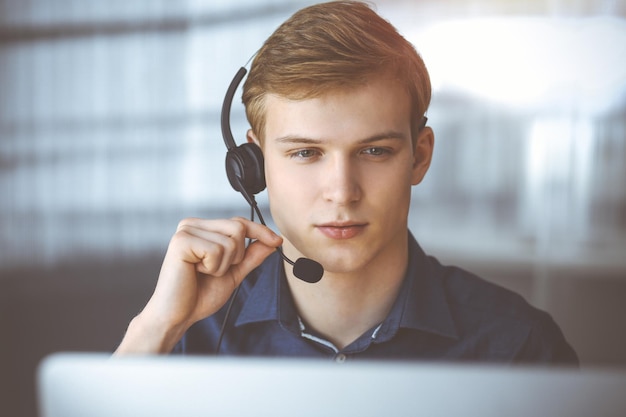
[[339, 171]]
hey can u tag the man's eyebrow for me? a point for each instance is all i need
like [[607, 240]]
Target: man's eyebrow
[[383, 136], [292, 139]]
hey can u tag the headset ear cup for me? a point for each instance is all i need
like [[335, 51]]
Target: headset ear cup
[[246, 163]]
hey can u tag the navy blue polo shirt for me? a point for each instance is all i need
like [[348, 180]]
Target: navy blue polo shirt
[[441, 313]]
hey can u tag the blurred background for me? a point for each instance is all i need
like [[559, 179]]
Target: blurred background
[[109, 135]]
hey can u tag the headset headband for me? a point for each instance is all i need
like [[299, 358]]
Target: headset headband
[[227, 134]]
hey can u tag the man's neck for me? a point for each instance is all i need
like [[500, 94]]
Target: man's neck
[[342, 307]]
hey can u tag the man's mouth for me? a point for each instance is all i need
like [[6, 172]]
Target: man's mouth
[[341, 230]]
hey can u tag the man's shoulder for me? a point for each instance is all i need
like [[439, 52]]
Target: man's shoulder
[[492, 313], [468, 291]]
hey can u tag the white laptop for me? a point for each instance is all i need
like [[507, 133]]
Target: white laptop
[[94, 385]]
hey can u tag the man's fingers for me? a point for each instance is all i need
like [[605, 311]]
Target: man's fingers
[[237, 227], [214, 246], [255, 255]]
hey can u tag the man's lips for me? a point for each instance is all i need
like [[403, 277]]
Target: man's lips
[[341, 230]]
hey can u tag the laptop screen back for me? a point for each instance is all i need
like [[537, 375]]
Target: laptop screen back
[[79, 385]]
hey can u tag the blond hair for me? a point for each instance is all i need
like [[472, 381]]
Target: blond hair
[[330, 46]]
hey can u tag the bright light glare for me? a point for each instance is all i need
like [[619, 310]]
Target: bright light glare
[[529, 62]]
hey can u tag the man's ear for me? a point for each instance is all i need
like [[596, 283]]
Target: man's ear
[[423, 154], [252, 137]]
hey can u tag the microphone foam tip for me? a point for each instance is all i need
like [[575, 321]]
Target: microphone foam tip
[[308, 270]]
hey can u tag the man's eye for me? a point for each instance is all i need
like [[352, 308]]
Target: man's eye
[[376, 151], [304, 153]]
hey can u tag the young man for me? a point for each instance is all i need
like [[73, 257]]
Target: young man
[[336, 101]]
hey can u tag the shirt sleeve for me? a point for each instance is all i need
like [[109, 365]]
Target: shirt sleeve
[[546, 344]]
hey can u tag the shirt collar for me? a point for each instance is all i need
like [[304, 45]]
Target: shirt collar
[[270, 298], [421, 304]]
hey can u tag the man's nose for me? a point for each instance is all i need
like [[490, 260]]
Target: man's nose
[[341, 180]]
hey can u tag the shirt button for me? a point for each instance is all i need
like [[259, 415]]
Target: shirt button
[[340, 358]]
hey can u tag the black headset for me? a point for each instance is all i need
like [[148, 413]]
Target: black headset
[[245, 169], [244, 163]]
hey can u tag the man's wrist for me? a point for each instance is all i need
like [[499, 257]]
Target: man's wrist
[[146, 337]]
